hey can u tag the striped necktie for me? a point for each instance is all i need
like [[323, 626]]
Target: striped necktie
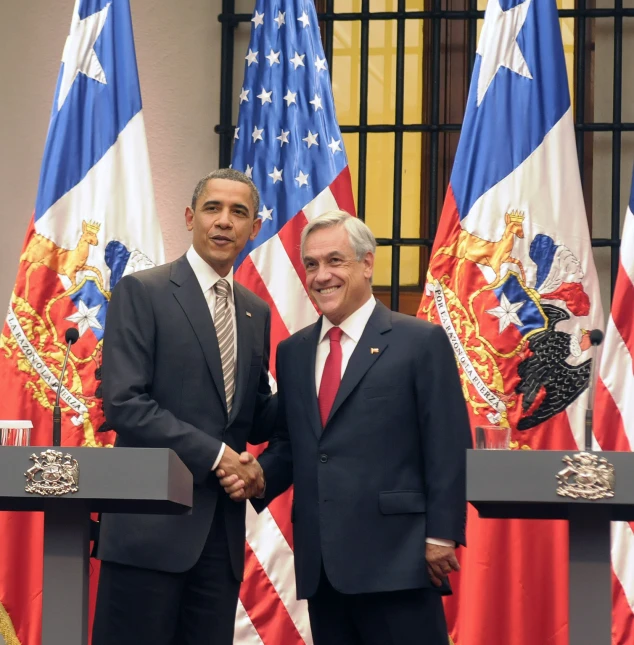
[[223, 321]]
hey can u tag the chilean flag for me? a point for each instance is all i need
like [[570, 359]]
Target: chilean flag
[[513, 282], [94, 221]]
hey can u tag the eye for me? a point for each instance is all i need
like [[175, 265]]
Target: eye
[[335, 261], [309, 266]]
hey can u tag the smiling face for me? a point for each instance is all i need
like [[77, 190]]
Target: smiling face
[[223, 221], [336, 280]]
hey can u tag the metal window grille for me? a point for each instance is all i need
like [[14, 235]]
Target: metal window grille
[[436, 16]]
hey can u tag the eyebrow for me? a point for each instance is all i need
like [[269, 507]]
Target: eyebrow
[[332, 254], [215, 202]]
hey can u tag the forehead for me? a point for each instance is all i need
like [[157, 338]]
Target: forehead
[[324, 241], [226, 191]]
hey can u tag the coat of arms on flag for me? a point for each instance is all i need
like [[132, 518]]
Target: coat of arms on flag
[[94, 222]]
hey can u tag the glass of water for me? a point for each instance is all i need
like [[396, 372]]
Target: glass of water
[[15, 433]]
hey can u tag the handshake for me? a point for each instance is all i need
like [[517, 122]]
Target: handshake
[[240, 475]]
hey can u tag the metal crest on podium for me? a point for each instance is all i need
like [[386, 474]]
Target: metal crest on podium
[[53, 473]]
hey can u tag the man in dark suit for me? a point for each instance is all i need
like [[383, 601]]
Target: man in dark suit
[[373, 432], [185, 366]]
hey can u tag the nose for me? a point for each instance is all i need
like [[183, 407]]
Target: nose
[[223, 220], [323, 274]]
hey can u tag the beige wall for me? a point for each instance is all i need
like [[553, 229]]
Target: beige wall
[[178, 52]]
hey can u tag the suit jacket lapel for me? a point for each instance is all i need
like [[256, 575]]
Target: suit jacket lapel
[[306, 379], [191, 299], [244, 329], [364, 354]]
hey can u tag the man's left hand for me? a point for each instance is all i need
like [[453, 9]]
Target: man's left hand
[[441, 561]]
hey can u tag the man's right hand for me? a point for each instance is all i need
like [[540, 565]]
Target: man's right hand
[[240, 475]]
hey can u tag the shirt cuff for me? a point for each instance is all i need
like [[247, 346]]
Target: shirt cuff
[[440, 542], [219, 457]]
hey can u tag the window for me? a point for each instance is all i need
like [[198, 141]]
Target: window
[[400, 74]]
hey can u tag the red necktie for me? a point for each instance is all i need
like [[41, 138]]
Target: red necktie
[[331, 378]]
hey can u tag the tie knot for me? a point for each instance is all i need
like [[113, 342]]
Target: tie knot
[[222, 288], [335, 333]]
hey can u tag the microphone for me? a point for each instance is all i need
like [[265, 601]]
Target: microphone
[[596, 338], [71, 336]]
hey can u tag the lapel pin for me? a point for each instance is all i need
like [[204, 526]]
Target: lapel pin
[[374, 350], [248, 314]]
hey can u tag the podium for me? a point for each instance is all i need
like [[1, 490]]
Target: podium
[[523, 485], [121, 480]]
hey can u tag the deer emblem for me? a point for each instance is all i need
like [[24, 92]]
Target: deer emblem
[[492, 254], [67, 262]]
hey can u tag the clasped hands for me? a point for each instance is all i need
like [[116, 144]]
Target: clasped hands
[[240, 475]]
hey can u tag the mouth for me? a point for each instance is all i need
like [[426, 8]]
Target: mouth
[[326, 291], [221, 240]]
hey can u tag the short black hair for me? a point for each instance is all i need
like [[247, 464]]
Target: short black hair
[[232, 175]]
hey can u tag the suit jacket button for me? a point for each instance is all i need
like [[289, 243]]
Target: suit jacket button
[[323, 458]]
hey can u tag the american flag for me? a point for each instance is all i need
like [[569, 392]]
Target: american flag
[[614, 421], [513, 282], [288, 141]]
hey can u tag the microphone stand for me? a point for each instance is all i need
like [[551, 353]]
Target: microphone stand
[[57, 412], [596, 338]]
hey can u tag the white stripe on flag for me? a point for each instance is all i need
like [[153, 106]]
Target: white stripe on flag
[[323, 203], [617, 377], [627, 246], [245, 633], [286, 289], [622, 560], [276, 558]]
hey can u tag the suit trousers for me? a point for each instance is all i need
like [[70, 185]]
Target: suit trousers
[[412, 616], [145, 607]]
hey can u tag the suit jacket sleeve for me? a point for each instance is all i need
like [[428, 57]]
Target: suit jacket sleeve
[[277, 459], [128, 368], [266, 403], [446, 436]]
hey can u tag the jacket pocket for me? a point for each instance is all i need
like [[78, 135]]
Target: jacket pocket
[[393, 502], [373, 392]]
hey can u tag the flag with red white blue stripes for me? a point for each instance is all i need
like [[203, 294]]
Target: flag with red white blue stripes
[[288, 141], [613, 420]]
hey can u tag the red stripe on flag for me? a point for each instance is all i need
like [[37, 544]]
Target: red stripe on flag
[[290, 236], [341, 189], [621, 311], [266, 611], [249, 276], [622, 617], [608, 425]]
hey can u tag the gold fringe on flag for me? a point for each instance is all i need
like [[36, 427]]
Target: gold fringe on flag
[[7, 630]]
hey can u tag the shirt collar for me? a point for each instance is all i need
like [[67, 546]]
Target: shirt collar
[[205, 274], [354, 324]]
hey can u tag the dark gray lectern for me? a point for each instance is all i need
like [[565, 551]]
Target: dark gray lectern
[[123, 480], [523, 485]]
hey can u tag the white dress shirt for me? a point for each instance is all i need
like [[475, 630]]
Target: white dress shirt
[[207, 279], [352, 327]]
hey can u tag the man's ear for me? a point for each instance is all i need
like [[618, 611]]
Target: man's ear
[[368, 264], [257, 225], [189, 218]]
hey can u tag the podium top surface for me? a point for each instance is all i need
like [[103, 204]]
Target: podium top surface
[[523, 484], [124, 480]]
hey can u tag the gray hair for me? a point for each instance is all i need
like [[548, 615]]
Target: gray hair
[[361, 237], [232, 175]]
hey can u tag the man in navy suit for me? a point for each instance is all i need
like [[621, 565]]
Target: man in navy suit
[[372, 432]]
